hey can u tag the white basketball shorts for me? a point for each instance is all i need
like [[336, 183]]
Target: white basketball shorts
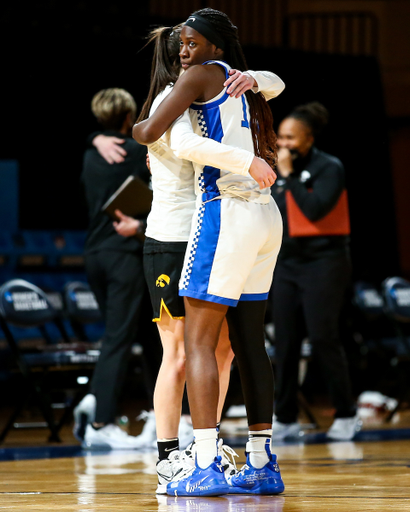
[[232, 251]]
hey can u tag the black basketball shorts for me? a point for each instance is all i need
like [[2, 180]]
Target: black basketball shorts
[[163, 262]]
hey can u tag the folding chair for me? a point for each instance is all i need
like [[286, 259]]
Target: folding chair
[[396, 293], [368, 300], [82, 310], [26, 306], [369, 323]]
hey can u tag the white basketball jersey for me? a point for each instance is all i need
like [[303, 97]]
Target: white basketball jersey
[[224, 119], [173, 190]]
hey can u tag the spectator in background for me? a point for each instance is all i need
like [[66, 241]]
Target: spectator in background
[[115, 273], [312, 273]]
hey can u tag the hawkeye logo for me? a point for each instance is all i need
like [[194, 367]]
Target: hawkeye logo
[[162, 281]]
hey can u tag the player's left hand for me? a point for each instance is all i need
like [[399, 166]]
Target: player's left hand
[[238, 83]]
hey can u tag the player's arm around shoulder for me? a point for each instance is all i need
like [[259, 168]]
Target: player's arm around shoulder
[[188, 88], [268, 83]]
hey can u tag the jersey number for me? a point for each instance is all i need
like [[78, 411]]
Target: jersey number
[[245, 122]]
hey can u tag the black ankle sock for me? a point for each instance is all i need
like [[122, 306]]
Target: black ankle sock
[[166, 447]]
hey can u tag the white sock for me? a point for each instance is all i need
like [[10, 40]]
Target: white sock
[[205, 445], [256, 447]]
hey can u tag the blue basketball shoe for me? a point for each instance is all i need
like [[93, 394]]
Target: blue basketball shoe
[[201, 482], [250, 480]]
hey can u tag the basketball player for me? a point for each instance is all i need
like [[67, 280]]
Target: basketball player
[[168, 232], [234, 242]]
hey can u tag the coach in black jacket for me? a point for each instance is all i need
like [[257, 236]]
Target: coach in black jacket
[[311, 276], [114, 270]]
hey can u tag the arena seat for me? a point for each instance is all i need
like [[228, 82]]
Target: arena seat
[[368, 299], [82, 311], [26, 306], [396, 293]]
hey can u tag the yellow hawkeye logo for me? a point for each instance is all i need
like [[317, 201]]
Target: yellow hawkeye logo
[[162, 281]]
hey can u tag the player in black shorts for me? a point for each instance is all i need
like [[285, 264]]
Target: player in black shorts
[[163, 263]]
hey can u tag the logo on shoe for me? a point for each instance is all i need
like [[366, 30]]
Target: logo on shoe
[[162, 281], [197, 485], [252, 477]]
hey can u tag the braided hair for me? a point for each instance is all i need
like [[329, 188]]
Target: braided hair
[[165, 63], [263, 134], [313, 115]]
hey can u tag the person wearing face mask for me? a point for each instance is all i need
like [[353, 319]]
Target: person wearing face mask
[[313, 272]]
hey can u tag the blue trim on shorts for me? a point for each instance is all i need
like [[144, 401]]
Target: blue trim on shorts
[[253, 296], [207, 243], [208, 297]]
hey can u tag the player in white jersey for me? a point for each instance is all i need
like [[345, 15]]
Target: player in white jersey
[[231, 255]]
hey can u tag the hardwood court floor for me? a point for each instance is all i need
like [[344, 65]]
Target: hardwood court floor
[[369, 475]]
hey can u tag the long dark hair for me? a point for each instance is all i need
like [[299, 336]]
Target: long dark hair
[[263, 134], [165, 63]]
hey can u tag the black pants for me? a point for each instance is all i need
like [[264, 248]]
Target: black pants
[[307, 298], [117, 280]]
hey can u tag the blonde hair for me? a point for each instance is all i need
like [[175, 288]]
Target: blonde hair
[[111, 106]]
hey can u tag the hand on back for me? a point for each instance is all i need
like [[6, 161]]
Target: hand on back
[[110, 148], [238, 83]]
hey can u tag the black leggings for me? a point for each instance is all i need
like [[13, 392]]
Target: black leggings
[[246, 332]]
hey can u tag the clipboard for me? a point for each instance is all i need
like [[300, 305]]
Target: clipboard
[[133, 198]]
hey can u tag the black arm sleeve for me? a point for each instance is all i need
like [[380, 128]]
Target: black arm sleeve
[[327, 186]]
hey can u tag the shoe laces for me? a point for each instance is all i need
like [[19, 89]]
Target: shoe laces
[[228, 455], [189, 452], [244, 468]]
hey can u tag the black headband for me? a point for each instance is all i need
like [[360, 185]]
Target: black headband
[[204, 27]]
